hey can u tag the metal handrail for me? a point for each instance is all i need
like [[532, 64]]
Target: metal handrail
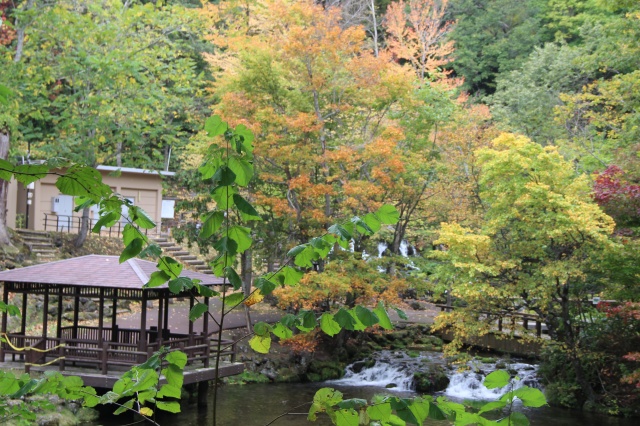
[[72, 224]]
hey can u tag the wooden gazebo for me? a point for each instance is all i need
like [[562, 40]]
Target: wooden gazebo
[[107, 347]]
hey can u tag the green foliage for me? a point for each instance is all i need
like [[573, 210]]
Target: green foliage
[[494, 36], [16, 392], [116, 84], [5, 93], [525, 98]]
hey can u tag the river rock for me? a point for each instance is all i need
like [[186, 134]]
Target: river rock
[[434, 379]]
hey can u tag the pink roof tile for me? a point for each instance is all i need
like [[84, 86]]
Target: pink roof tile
[[96, 271]]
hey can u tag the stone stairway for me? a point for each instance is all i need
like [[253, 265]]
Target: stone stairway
[[40, 244], [189, 260]]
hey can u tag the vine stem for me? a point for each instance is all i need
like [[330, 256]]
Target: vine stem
[[287, 413], [222, 313]]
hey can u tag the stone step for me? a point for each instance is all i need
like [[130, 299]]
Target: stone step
[[41, 252], [160, 240], [172, 248], [180, 253], [186, 258], [38, 246], [32, 232], [194, 262], [30, 239], [164, 244]]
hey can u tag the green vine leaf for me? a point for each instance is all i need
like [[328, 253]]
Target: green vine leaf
[[530, 397], [243, 170], [260, 344], [171, 406], [289, 276], [388, 215], [156, 279], [366, 317], [178, 358], [383, 318], [132, 250], [380, 412], [224, 176], [211, 223], [345, 319], [497, 379], [233, 277], [265, 286], [233, 299], [6, 170], [29, 173], [214, 126], [328, 325], [340, 231], [348, 417], [180, 284], [247, 211], [281, 331], [170, 266], [241, 236], [197, 311], [515, 419]]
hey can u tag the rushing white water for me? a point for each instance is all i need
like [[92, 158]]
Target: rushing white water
[[391, 369], [467, 384], [394, 371]]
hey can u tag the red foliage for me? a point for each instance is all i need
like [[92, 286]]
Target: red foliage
[[628, 311], [629, 314], [7, 34], [617, 196]]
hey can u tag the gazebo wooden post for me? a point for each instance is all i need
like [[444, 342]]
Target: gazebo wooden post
[[23, 322], [114, 316], [101, 318], [166, 312], [5, 299], [160, 317], [191, 300], [59, 319], [205, 332], [76, 312], [45, 315], [142, 343]]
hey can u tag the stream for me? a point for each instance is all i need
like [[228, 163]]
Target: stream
[[392, 373]]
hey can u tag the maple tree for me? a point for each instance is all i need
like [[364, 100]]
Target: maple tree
[[540, 238], [416, 33], [321, 99]]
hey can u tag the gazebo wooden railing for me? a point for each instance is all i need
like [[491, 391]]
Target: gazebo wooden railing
[[104, 355]]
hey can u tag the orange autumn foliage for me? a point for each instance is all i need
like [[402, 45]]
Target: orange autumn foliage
[[416, 33]]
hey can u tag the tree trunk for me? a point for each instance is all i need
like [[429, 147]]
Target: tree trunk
[[84, 229], [5, 241], [374, 24]]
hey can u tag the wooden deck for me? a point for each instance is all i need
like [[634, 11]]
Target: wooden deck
[[101, 358]]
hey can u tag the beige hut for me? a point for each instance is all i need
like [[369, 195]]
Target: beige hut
[[41, 206]]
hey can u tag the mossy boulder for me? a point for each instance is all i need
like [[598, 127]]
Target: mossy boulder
[[433, 379], [320, 371]]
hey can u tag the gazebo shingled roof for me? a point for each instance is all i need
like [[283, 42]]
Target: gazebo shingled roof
[[107, 344], [96, 271]]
